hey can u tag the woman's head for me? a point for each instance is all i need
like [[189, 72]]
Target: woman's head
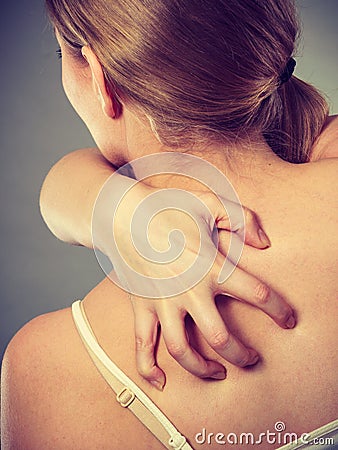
[[198, 69]]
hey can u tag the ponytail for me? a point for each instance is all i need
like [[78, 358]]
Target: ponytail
[[202, 70], [300, 116]]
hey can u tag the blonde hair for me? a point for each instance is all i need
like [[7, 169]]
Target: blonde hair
[[201, 69]]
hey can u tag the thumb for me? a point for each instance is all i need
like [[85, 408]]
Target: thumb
[[234, 217]]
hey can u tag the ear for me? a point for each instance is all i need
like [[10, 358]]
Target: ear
[[110, 105]]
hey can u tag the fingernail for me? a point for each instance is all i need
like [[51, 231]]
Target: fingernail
[[253, 361], [291, 322], [263, 238], [254, 357], [157, 384], [221, 375]]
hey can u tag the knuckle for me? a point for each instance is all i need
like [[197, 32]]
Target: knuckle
[[262, 293], [176, 349], [143, 345], [220, 340]]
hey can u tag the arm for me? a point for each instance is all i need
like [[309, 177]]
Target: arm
[[68, 197], [69, 192]]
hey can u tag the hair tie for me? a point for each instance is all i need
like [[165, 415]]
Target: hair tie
[[287, 74]]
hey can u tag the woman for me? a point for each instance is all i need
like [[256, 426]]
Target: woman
[[252, 108]]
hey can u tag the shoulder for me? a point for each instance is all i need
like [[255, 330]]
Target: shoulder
[[53, 396], [38, 362], [326, 145], [324, 172], [35, 340], [319, 184]]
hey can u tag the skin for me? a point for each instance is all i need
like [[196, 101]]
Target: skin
[[67, 208], [298, 386]]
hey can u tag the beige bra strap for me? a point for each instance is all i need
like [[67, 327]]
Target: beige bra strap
[[128, 394]]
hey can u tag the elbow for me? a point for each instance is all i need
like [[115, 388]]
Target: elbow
[[48, 202], [53, 196], [60, 196]]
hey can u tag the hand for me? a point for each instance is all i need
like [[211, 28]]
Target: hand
[[188, 295], [199, 303], [70, 192]]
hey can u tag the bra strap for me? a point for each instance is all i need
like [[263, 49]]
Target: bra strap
[[128, 394]]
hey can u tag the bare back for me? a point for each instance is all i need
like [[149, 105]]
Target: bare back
[[68, 405]]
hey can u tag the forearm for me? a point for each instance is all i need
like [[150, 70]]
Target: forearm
[[69, 193]]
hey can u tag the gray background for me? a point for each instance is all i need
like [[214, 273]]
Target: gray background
[[38, 273]]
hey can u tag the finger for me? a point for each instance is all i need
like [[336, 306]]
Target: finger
[[146, 330], [254, 234], [244, 222], [174, 334], [210, 323], [244, 286]]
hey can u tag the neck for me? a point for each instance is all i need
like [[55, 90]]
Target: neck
[[246, 164], [242, 162]]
